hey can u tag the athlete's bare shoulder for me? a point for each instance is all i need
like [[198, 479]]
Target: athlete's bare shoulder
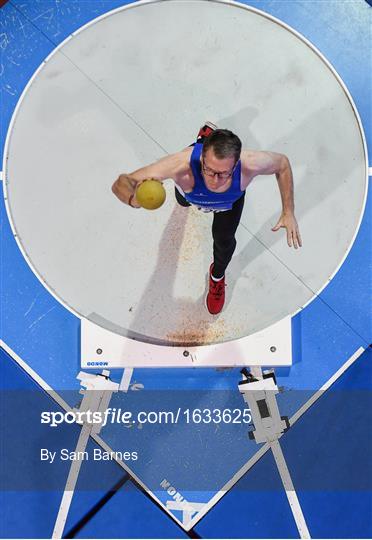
[[185, 154], [166, 167], [256, 162]]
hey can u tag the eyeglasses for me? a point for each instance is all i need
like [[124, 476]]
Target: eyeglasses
[[222, 175]]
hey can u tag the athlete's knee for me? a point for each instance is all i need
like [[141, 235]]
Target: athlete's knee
[[225, 241]]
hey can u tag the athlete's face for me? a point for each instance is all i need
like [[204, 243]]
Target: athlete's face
[[216, 171]]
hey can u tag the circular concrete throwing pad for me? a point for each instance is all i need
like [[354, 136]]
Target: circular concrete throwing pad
[[137, 84]]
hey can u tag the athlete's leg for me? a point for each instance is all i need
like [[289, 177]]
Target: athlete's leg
[[223, 231], [180, 198]]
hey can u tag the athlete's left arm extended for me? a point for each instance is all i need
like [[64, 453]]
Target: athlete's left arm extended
[[257, 163]]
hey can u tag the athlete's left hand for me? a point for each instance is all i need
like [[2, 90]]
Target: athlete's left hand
[[289, 221]]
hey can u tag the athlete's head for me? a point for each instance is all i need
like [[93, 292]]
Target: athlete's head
[[221, 152], [224, 143]]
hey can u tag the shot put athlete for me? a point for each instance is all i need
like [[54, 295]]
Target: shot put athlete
[[213, 175]]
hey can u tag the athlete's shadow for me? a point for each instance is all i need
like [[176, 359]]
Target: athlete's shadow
[[184, 321], [309, 153]]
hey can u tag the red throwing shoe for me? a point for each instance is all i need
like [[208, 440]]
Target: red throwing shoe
[[216, 295], [206, 130]]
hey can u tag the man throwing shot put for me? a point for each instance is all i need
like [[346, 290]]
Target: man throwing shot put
[[213, 174]]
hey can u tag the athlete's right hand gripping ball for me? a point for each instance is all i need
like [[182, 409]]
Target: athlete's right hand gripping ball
[[150, 194]]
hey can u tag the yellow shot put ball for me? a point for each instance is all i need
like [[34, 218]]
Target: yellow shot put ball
[[150, 194]]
